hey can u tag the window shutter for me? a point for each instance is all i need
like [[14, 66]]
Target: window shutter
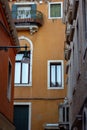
[[14, 11], [33, 11]]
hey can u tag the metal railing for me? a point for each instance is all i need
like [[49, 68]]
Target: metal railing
[[35, 16]]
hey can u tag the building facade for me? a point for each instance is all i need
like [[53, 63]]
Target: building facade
[[75, 18], [39, 80], [8, 37]]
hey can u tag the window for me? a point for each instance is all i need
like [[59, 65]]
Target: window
[[78, 49], [85, 17], [84, 14], [55, 74], [9, 81], [84, 118], [22, 69], [55, 10], [64, 113], [22, 116], [84, 121]]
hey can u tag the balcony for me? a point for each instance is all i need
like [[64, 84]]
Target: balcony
[[75, 8], [65, 6], [70, 14], [26, 18], [67, 51], [67, 66], [72, 31], [67, 31]]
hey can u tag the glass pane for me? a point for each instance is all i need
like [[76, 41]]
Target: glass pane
[[58, 10], [24, 73], [52, 75], [55, 10], [67, 114], [19, 57], [52, 12], [60, 114], [59, 75], [64, 114], [17, 72]]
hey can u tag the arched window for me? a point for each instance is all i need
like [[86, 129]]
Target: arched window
[[23, 68]]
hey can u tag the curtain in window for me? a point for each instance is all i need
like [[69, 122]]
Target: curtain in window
[[55, 10]]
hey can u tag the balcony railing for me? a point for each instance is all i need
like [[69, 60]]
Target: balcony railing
[[35, 18]]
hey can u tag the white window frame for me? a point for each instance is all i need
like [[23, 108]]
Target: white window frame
[[29, 104], [49, 17], [48, 65]]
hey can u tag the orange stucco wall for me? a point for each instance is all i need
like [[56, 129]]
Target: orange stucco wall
[[48, 44], [6, 106]]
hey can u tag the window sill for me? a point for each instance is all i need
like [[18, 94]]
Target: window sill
[[53, 88], [23, 85], [54, 18]]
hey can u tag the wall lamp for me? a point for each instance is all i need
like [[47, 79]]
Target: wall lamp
[[5, 48]]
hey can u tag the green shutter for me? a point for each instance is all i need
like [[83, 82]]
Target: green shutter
[[33, 11], [14, 11]]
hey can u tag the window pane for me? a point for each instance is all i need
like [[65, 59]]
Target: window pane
[[52, 10], [19, 57], [64, 114], [59, 75], [24, 73], [67, 114], [17, 72], [52, 75], [58, 8], [60, 114], [55, 10]]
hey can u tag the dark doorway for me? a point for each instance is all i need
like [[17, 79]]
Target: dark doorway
[[21, 117]]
